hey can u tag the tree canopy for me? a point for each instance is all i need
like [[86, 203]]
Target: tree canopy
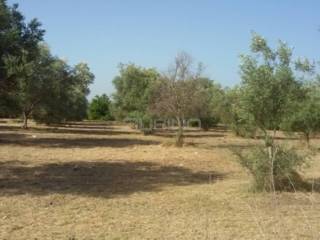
[[133, 87], [178, 93], [33, 82], [268, 83], [99, 108], [17, 38]]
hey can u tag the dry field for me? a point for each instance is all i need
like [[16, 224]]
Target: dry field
[[100, 181]]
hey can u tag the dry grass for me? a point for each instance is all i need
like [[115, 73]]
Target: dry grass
[[101, 181]]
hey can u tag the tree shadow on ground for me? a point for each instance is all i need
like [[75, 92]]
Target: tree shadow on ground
[[284, 137], [96, 179], [190, 133], [83, 127], [47, 142], [197, 135], [86, 131], [11, 135], [295, 136], [228, 146], [87, 123], [70, 130]]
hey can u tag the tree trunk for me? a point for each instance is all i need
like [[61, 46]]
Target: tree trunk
[[307, 135], [25, 120], [272, 153], [179, 136], [270, 146]]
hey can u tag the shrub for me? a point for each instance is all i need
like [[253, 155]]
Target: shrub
[[205, 122], [209, 122], [279, 174], [194, 123], [99, 108], [147, 121], [243, 129]]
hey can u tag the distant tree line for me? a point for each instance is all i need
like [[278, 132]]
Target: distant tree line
[[277, 92], [181, 93]]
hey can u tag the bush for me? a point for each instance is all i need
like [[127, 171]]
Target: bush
[[205, 122], [243, 129], [282, 172], [99, 108], [147, 121], [194, 123], [209, 122]]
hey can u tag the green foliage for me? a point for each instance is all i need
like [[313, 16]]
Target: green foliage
[[207, 103], [133, 87], [205, 122], [82, 78], [48, 89], [244, 128], [32, 81], [33, 77], [193, 122], [233, 113], [16, 39], [66, 99], [9, 106], [147, 121], [268, 83], [99, 108], [268, 94], [209, 122], [276, 173], [305, 115], [135, 117]]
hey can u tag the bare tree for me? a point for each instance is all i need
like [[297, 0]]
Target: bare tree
[[175, 92]]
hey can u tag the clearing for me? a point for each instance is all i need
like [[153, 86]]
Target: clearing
[[94, 180]]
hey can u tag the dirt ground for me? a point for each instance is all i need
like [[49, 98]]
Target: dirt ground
[[90, 180]]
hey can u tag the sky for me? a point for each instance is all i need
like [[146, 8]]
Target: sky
[[104, 33]]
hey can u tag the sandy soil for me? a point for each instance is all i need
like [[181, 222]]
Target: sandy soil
[[101, 181]]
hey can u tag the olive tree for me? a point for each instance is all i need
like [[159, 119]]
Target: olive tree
[[305, 112], [133, 85], [268, 88], [67, 98], [175, 94], [16, 38], [34, 79], [99, 108], [207, 102], [234, 115]]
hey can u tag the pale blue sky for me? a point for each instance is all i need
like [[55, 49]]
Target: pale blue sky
[[150, 33]]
